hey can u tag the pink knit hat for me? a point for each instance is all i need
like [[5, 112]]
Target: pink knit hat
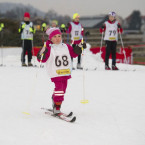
[[52, 32]]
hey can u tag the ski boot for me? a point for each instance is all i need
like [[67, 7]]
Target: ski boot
[[30, 64], [114, 67], [107, 67], [79, 66], [56, 107], [24, 64]]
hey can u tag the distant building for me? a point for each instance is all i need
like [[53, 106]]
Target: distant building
[[93, 22], [143, 25], [133, 22]]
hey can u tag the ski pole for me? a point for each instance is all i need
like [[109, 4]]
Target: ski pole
[[82, 41], [99, 54], [33, 54], [123, 47], [43, 40], [33, 90], [2, 26], [43, 29], [1, 49], [101, 43], [86, 34], [42, 56], [84, 101]]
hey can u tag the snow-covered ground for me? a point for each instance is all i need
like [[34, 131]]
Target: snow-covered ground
[[115, 114]]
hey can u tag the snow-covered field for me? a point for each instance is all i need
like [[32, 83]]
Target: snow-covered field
[[115, 114]]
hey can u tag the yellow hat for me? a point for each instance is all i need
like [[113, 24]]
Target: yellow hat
[[75, 15], [2, 25], [54, 21], [62, 26], [44, 25]]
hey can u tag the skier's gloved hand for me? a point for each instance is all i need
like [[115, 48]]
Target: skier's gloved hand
[[78, 48], [119, 26], [2, 25], [102, 29], [23, 26], [82, 45], [43, 51], [31, 29]]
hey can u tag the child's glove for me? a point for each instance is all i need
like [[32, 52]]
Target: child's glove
[[82, 45], [120, 30], [119, 26], [31, 29], [23, 26], [78, 48], [2, 25], [102, 29], [43, 50]]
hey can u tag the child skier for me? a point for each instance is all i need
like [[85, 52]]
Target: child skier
[[57, 56], [54, 24], [27, 30], [111, 29], [76, 31]]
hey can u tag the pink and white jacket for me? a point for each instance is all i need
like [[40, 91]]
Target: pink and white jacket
[[58, 59]]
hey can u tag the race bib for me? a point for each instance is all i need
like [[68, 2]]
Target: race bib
[[63, 72], [112, 38], [76, 38]]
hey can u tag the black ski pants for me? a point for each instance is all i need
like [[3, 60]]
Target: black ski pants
[[110, 49], [26, 47]]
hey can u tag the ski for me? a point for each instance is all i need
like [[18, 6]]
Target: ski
[[62, 117], [88, 69], [64, 114], [127, 70]]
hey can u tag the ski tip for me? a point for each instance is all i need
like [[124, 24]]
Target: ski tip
[[70, 114], [73, 119]]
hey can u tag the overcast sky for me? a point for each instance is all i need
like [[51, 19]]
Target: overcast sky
[[86, 7]]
